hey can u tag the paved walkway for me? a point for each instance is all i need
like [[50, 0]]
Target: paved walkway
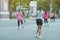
[[8, 30]]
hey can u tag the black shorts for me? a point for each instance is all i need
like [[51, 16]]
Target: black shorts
[[52, 17], [45, 21], [39, 21]]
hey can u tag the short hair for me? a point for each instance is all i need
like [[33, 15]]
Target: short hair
[[39, 7]]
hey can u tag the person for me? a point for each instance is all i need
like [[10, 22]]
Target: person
[[20, 18], [39, 22], [45, 16], [52, 16]]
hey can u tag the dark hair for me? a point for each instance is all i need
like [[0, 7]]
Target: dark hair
[[39, 8]]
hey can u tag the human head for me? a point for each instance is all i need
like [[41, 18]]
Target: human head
[[39, 8]]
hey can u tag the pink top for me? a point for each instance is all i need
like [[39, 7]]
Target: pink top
[[45, 15], [19, 16], [51, 14]]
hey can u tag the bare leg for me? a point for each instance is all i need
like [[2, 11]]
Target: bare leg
[[39, 30]]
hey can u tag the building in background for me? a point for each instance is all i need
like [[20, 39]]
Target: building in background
[[4, 13]]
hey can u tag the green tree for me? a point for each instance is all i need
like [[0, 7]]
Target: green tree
[[58, 6], [12, 6], [25, 3]]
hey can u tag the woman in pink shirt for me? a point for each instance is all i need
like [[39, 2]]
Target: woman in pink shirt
[[45, 16], [19, 18], [52, 16]]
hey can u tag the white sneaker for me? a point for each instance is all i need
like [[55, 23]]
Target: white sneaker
[[40, 37]]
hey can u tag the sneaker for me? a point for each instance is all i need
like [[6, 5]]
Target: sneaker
[[40, 37]]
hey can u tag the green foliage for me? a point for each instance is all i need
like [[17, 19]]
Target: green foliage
[[25, 3]]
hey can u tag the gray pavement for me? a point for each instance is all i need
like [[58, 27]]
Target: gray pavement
[[8, 30]]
